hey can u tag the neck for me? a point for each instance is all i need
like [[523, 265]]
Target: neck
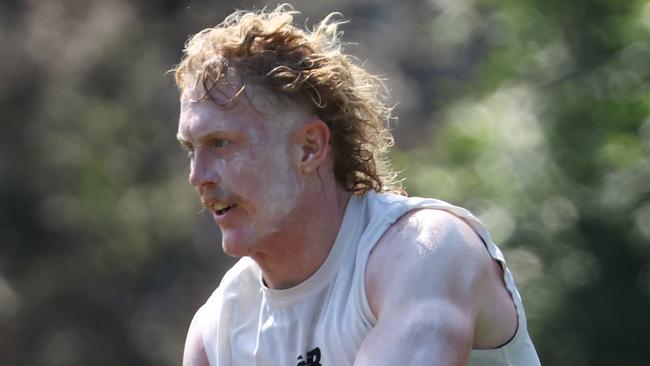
[[301, 251]]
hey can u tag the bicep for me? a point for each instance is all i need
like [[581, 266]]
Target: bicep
[[424, 282], [194, 352], [430, 333]]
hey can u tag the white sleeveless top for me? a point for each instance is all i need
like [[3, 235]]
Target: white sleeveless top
[[324, 320]]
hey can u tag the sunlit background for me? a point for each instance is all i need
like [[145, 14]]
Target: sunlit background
[[534, 114]]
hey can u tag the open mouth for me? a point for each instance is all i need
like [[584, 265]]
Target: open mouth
[[222, 208]]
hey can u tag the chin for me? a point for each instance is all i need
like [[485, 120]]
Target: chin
[[236, 242], [233, 251], [235, 248]]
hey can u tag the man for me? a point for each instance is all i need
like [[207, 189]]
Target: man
[[286, 138]]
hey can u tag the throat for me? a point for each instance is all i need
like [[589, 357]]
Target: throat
[[286, 269]]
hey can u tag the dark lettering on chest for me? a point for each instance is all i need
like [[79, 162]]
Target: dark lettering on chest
[[312, 358]]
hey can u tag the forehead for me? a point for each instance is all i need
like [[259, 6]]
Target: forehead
[[254, 113], [202, 116]]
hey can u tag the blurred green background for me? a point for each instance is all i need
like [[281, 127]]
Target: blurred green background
[[534, 114]]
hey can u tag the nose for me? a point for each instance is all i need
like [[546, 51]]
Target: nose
[[201, 172]]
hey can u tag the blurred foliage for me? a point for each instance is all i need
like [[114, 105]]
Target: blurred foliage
[[533, 114], [548, 143]]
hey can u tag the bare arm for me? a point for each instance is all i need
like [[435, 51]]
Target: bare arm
[[424, 285], [194, 353]]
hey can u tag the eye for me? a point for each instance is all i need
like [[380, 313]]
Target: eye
[[220, 143]]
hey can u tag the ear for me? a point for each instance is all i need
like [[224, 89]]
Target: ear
[[313, 138]]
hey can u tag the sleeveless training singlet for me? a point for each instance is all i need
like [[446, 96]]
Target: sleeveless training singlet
[[324, 320]]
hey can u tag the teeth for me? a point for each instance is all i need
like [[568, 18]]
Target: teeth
[[220, 206]]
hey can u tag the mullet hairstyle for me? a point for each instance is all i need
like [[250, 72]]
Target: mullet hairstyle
[[308, 66]]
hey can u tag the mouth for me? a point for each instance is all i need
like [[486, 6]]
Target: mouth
[[220, 209]]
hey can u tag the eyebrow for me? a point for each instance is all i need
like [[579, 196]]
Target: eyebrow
[[204, 138]]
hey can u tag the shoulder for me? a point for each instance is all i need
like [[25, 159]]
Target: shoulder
[[431, 235], [194, 353], [238, 285], [428, 255], [239, 280], [244, 273]]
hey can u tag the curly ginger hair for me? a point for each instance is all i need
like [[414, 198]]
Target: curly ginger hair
[[265, 48]]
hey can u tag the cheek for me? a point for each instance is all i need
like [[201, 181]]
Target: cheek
[[261, 175], [242, 174]]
